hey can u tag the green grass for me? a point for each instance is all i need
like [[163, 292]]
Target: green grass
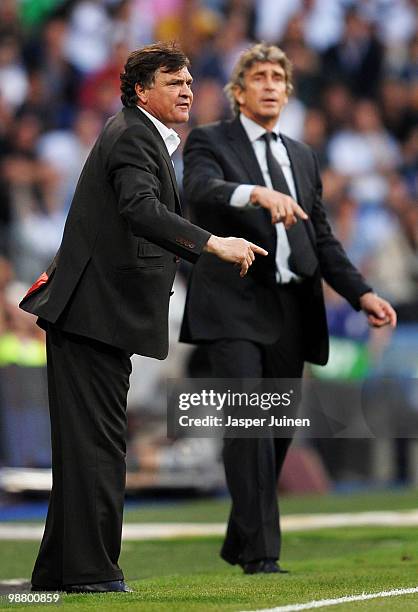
[[216, 510], [186, 575]]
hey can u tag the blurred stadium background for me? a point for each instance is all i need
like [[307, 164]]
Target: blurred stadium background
[[355, 102]]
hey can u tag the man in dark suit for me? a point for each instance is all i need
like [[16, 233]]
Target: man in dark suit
[[104, 297], [245, 176]]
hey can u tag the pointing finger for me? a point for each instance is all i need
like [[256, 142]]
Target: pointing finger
[[299, 212], [258, 250]]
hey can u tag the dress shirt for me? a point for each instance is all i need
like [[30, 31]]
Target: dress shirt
[[241, 196], [170, 136]]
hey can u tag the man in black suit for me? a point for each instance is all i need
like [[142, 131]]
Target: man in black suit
[[245, 176], [104, 297]]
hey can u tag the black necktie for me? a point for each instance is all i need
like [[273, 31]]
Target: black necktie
[[302, 260]]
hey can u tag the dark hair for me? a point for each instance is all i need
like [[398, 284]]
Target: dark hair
[[142, 65]]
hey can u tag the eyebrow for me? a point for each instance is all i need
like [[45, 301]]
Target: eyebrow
[[179, 81], [263, 72]]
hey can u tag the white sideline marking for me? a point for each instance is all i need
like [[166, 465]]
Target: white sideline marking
[[321, 603], [291, 522]]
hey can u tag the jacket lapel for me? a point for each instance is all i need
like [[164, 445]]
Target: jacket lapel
[[302, 184], [163, 150], [300, 176], [170, 166], [243, 149]]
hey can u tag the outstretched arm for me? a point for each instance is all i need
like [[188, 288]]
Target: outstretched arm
[[133, 170]]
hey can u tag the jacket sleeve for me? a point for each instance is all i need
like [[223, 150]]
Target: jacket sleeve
[[133, 167], [203, 179], [336, 268]]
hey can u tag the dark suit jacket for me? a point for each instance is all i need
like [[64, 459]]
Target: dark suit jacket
[[112, 277], [220, 304]]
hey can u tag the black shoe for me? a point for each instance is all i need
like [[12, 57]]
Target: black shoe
[[113, 586], [263, 566]]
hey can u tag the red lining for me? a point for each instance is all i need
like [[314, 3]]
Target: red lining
[[38, 283]]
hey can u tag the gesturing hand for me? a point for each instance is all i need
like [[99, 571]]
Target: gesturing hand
[[282, 207], [235, 250], [379, 312]]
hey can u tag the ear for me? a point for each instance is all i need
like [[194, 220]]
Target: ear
[[239, 94], [141, 93]]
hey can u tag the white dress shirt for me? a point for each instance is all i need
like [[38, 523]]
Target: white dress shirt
[[241, 196], [170, 136]]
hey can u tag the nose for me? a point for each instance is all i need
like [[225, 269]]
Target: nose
[[186, 91], [269, 83]]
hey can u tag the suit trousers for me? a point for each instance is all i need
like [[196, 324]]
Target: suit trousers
[[253, 465], [88, 383]]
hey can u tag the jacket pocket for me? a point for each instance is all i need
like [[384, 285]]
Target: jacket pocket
[[148, 264], [149, 249]]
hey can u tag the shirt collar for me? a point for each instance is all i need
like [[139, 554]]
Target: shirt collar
[[254, 130], [170, 136]]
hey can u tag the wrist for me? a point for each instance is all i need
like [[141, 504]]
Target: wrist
[[212, 245], [364, 299], [254, 196], [365, 294]]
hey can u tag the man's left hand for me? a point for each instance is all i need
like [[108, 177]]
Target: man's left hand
[[379, 312]]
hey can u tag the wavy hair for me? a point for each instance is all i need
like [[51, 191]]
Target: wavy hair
[[142, 65], [260, 52]]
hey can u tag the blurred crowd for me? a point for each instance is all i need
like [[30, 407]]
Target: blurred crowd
[[355, 102]]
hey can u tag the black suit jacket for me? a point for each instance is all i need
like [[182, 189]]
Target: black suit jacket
[[217, 159], [112, 277]]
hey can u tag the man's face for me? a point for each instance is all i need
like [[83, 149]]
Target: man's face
[[170, 98], [264, 92]]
